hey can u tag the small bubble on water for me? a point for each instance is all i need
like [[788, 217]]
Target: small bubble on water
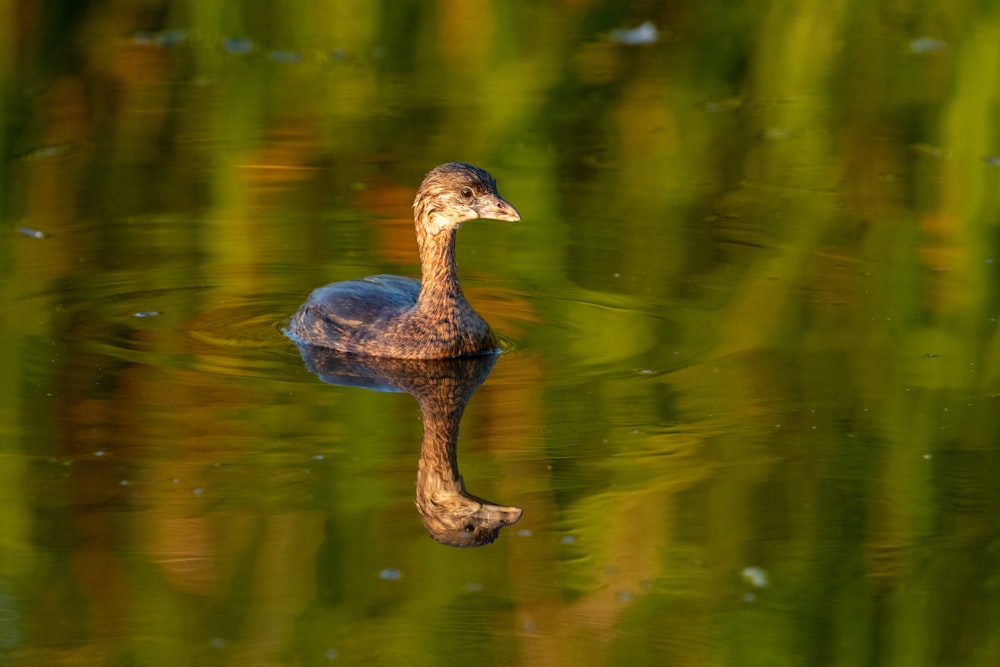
[[645, 33], [524, 532], [331, 654], [198, 491], [171, 37], [145, 313], [217, 643], [280, 56], [755, 576], [927, 45], [390, 574], [238, 45], [33, 233], [568, 539]]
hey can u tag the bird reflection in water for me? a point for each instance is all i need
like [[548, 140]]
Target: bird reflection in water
[[442, 388]]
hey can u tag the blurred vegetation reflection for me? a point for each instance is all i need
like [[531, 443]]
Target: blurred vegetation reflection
[[753, 403]]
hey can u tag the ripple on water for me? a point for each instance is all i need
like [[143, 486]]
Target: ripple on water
[[192, 327], [600, 332]]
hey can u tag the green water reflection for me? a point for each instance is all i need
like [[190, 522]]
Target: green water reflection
[[752, 407]]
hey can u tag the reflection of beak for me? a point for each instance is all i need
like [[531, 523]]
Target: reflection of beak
[[502, 516], [496, 207]]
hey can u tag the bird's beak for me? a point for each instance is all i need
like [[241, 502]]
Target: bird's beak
[[496, 207]]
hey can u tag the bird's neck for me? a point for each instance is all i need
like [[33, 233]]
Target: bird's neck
[[439, 274]]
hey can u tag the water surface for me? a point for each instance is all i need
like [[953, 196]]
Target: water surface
[[750, 406]]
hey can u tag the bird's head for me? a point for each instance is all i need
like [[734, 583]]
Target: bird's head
[[455, 192]]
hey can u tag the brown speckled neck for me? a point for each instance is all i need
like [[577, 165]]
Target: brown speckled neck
[[438, 271], [441, 302]]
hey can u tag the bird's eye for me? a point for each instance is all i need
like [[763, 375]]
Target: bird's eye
[[469, 528], [466, 192]]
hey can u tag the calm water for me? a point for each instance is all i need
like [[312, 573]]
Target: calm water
[[751, 406]]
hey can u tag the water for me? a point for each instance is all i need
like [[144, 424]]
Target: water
[[750, 406]]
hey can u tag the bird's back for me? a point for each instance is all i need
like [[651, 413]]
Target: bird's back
[[378, 316], [342, 315]]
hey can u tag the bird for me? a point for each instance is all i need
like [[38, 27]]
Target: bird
[[402, 317]]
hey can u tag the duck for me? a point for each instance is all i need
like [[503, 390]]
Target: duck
[[402, 317]]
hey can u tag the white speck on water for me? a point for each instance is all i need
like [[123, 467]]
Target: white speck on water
[[390, 574], [124, 482], [524, 532], [331, 654], [927, 45], [217, 643], [319, 457], [198, 491], [644, 33], [755, 576], [625, 596], [99, 452], [473, 587], [568, 539], [33, 233]]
